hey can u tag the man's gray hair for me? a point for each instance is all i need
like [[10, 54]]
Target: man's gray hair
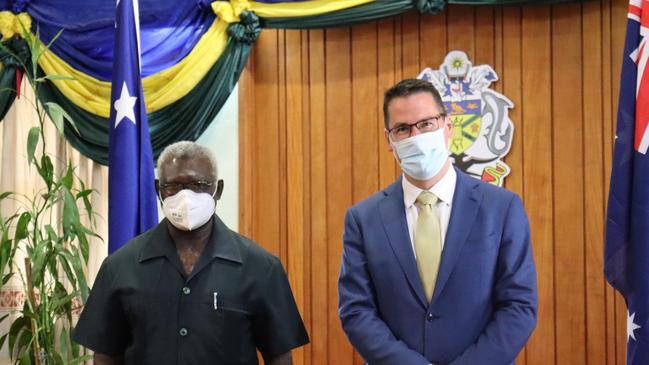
[[186, 149]]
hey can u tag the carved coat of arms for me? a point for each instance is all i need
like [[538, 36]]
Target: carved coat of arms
[[482, 130]]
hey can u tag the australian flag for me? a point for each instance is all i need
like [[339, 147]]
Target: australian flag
[[626, 258], [132, 207]]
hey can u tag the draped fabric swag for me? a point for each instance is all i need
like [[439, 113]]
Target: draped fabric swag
[[192, 54]]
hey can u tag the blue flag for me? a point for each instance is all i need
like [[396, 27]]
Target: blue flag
[[132, 207], [626, 256]]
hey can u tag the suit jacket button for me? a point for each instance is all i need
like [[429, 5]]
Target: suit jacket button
[[430, 317]]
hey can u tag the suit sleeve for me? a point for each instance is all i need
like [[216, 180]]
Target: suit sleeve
[[357, 307], [514, 295]]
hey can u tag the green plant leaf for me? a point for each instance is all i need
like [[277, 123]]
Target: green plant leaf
[[53, 78], [84, 247], [65, 265], [6, 278], [81, 194], [35, 50], [59, 116], [32, 141], [70, 212], [3, 339], [55, 358], [51, 261], [47, 171], [6, 194], [61, 303], [5, 253], [56, 36], [26, 358], [68, 178], [51, 233], [19, 337], [39, 261], [75, 348], [64, 340], [75, 261], [56, 113], [22, 227]]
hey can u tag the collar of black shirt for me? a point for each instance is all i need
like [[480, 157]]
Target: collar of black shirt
[[222, 243]]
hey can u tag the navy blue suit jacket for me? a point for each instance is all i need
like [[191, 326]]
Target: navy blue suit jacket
[[484, 305]]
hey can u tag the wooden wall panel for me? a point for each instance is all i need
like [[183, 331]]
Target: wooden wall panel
[[318, 212], [536, 106], [593, 124], [312, 144], [618, 28], [339, 130], [568, 181], [386, 77]]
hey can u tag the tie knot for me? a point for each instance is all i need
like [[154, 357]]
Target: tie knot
[[426, 198]]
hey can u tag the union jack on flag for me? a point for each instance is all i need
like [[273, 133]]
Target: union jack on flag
[[626, 256], [639, 57]]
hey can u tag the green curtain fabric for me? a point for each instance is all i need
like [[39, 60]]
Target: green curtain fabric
[[7, 89], [8, 52], [509, 2]]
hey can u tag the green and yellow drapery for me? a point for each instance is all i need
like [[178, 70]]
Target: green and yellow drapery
[[192, 54]]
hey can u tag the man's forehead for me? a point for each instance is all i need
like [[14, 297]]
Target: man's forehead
[[407, 109], [179, 164]]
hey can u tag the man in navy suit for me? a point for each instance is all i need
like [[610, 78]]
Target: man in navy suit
[[437, 268]]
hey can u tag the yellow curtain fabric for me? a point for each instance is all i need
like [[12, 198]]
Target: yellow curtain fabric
[[160, 89], [305, 8], [10, 23], [229, 11]]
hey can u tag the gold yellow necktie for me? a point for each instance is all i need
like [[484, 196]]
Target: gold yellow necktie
[[428, 242]]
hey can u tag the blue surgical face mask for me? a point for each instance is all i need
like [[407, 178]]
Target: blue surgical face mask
[[422, 156]]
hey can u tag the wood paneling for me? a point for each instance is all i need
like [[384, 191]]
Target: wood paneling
[[312, 144]]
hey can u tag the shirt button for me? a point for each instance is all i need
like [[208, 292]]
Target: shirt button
[[186, 290], [429, 317], [183, 332]]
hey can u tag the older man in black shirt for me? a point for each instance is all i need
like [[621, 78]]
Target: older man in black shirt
[[190, 291]]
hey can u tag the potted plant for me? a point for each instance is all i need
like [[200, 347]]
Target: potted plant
[[48, 230]]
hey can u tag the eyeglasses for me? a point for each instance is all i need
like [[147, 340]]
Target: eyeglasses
[[403, 130], [199, 186]]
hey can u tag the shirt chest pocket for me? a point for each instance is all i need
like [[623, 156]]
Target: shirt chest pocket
[[227, 324]]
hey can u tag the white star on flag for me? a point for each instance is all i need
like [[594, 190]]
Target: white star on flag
[[630, 326], [124, 106]]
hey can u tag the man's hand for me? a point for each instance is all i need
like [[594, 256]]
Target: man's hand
[[102, 359], [283, 359]]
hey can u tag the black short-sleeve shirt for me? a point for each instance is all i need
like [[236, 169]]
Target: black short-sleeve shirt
[[236, 300]]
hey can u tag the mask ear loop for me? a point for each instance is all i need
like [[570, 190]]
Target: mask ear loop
[[219, 190], [160, 198], [158, 195]]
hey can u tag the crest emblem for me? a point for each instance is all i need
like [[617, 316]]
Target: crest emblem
[[482, 131]]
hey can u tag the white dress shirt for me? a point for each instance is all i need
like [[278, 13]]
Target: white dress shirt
[[443, 190]]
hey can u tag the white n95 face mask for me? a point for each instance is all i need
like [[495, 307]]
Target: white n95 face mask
[[188, 210], [422, 156]]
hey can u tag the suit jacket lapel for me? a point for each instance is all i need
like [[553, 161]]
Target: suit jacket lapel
[[393, 216], [466, 201]]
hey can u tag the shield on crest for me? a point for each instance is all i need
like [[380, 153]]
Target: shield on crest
[[466, 120]]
